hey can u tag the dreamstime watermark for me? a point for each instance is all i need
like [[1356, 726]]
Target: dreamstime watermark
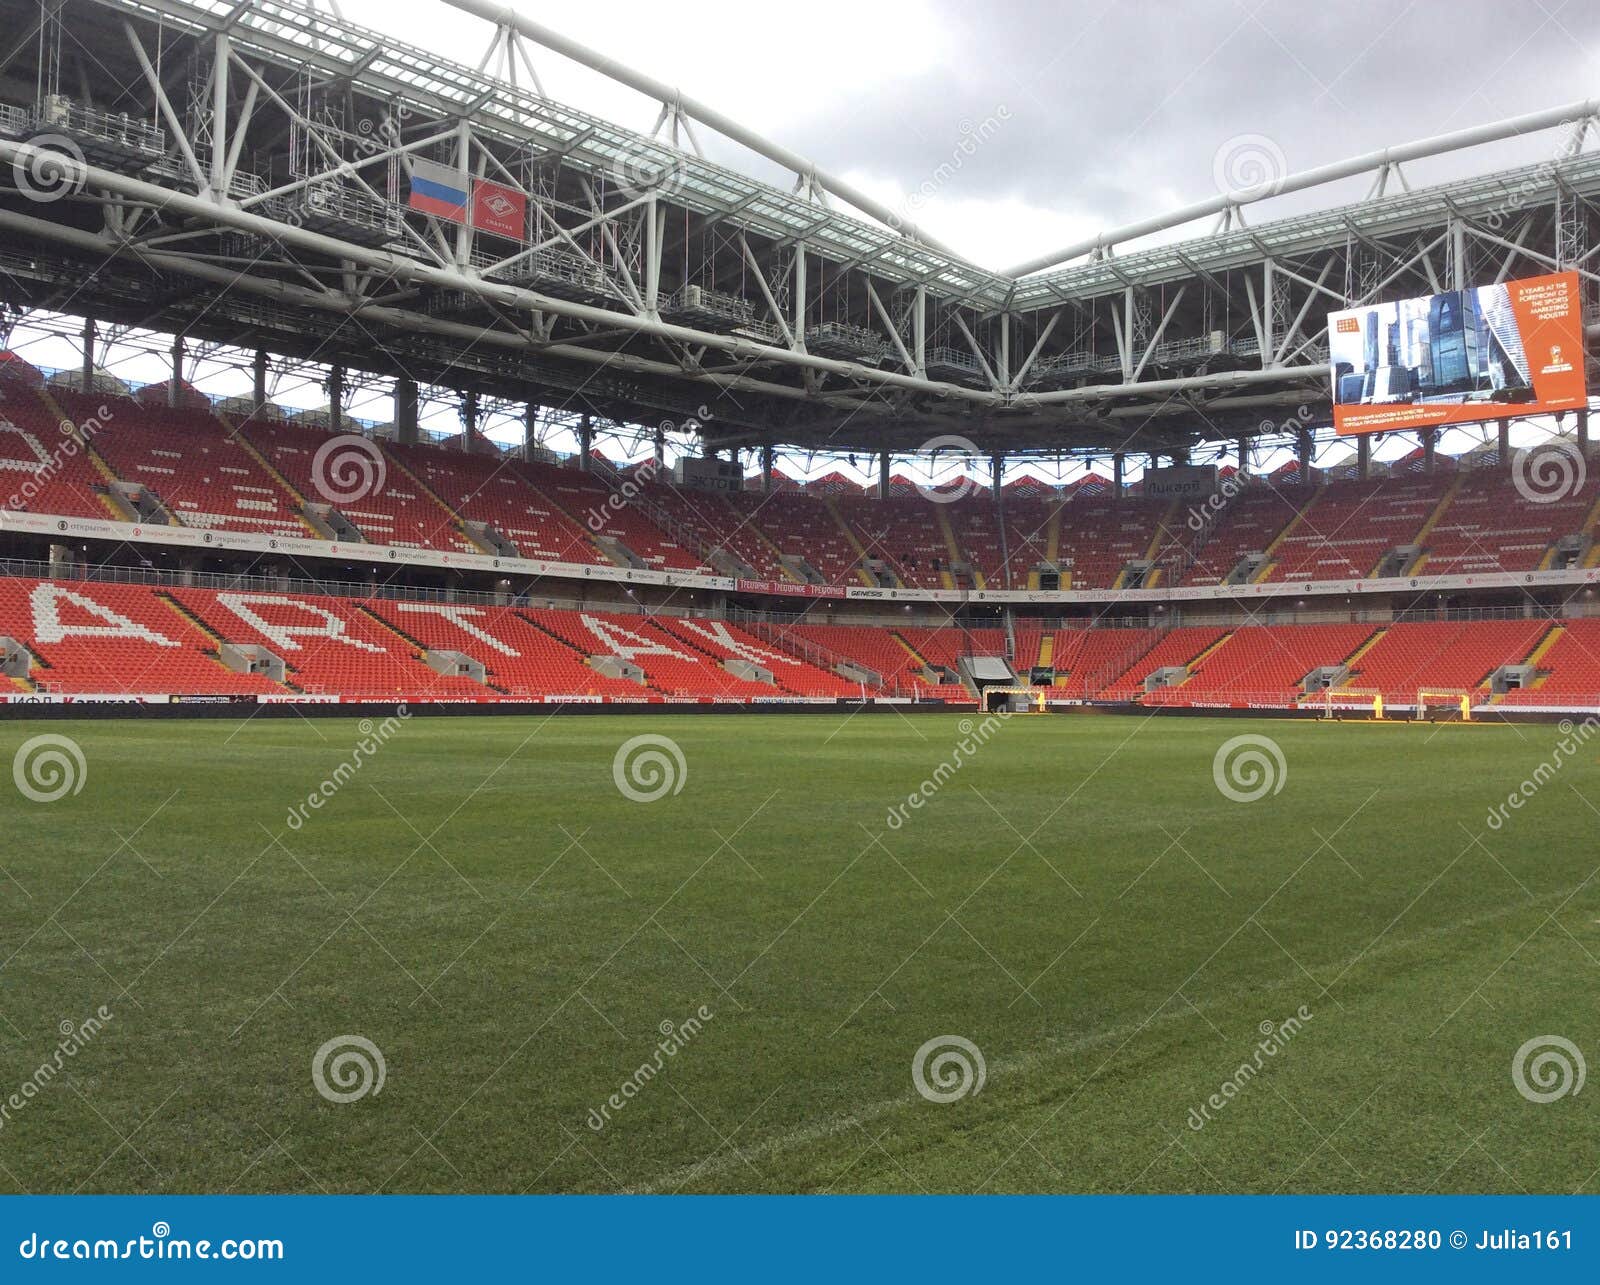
[[1249, 767], [948, 1068], [374, 736], [48, 767], [1248, 167], [971, 137], [964, 454], [600, 515], [1275, 1037], [973, 738], [1208, 510], [1533, 187], [675, 1037], [1573, 738], [1549, 472], [647, 167], [348, 467], [649, 767], [54, 169], [347, 1068], [1553, 1064], [75, 1036], [633, 485], [46, 466], [160, 1245]]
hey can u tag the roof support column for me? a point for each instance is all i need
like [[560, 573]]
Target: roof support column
[[921, 332], [530, 429], [1505, 442], [660, 455], [1119, 466], [219, 113], [768, 459], [652, 264], [469, 420], [883, 475], [1244, 455], [88, 355], [997, 472], [1364, 456], [1303, 455], [585, 441], [177, 370], [405, 412], [336, 398], [1430, 444], [1583, 432], [260, 378], [799, 326]]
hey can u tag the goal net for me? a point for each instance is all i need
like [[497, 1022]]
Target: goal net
[[1352, 703], [1444, 704]]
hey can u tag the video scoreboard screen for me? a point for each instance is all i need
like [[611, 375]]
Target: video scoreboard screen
[[1510, 349]]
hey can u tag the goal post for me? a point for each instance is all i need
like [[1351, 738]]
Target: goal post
[[1353, 703], [1444, 704]]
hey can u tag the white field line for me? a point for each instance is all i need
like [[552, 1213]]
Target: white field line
[[1024, 1063]]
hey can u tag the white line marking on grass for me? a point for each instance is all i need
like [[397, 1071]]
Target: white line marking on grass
[[1025, 1063]]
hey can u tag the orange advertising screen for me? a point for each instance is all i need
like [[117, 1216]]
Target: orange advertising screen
[[1491, 352]]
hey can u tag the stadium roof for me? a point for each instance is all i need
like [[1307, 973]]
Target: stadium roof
[[257, 187]]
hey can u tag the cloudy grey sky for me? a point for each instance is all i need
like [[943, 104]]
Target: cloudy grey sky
[[1100, 111]]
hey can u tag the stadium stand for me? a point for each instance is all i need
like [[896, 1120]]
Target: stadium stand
[[38, 473], [1567, 661], [521, 659], [488, 489], [1249, 524], [1347, 528], [588, 502], [1102, 535], [1174, 649], [1408, 656], [190, 461], [331, 646], [94, 637], [1483, 528], [1263, 664], [115, 640], [391, 509]]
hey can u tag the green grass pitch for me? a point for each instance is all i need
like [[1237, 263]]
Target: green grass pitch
[[1077, 898]]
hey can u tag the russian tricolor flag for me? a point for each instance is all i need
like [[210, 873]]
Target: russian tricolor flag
[[439, 191]]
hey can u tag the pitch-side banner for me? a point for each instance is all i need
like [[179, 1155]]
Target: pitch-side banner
[[1513, 348]]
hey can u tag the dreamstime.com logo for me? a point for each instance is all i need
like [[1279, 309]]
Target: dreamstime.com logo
[[959, 457], [160, 1245], [1548, 473], [54, 169], [948, 1068], [649, 767], [1249, 767], [49, 767], [1548, 1067], [347, 1068], [1248, 167], [647, 168], [348, 467]]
